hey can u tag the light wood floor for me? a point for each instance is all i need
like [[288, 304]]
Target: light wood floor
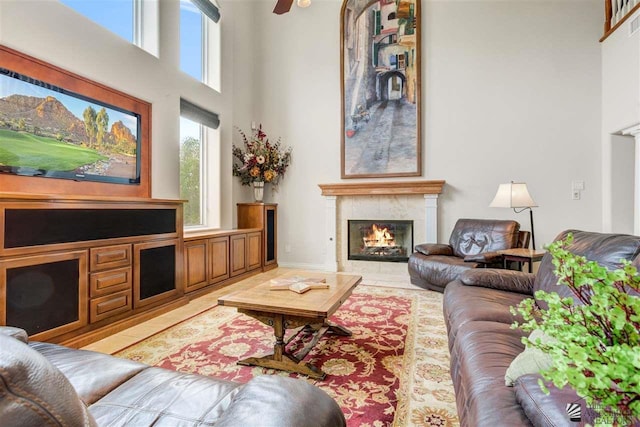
[[130, 336]]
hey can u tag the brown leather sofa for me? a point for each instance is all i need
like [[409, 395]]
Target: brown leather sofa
[[482, 343], [46, 384], [473, 243]]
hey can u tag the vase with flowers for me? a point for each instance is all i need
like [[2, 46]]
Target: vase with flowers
[[260, 161]]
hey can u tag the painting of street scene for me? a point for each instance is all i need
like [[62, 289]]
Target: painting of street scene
[[43, 129], [381, 88]]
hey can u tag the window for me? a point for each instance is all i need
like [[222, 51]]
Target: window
[[191, 182], [199, 141], [134, 20], [192, 53], [200, 41], [116, 16]]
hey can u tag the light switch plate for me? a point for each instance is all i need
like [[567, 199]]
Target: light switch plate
[[577, 185]]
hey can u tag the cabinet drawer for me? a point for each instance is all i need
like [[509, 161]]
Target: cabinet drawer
[[109, 257], [109, 282], [109, 305]]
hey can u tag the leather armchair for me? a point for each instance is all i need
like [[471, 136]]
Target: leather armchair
[[473, 243]]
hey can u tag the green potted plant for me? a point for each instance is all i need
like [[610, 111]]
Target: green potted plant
[[594, 345]]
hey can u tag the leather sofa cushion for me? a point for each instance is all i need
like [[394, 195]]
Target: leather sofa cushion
[[260, 403], [434, 249], [503, 280], [439, 269], [164, 398], [606, 249], [33, 392], [549, 410], [484, 350], [92, 374], [473, 236], [464, 304]]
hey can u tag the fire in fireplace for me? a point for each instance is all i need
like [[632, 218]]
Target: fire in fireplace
[[371, 240]]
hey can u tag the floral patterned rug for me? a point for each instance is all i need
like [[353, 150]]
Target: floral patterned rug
[[393, 370]]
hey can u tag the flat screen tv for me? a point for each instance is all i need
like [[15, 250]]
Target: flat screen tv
[[48, 131]]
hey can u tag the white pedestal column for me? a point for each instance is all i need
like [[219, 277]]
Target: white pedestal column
[[331, 215], [431, 212]]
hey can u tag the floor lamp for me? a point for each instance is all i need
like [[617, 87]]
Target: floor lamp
[[515, 195]]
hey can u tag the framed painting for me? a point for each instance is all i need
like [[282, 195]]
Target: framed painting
[[380, 86]]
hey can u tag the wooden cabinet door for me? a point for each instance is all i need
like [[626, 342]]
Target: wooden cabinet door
[[238, 255], [156, 273], [46, 295], [195, 254], [254, 250], [218, 259]]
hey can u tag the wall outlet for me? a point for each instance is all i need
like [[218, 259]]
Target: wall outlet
[[577, 185], [287, 248], [575, 195]]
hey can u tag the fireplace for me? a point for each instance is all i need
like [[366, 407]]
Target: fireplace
[[373, 240]]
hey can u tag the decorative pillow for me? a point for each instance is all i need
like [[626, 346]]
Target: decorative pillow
[[530, 361]]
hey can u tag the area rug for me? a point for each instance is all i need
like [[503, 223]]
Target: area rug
[[393, 370]]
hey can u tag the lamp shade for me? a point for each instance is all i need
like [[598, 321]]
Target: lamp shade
[[304, 3], [513, 195]]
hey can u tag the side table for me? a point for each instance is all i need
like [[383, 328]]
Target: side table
[[521, 255]]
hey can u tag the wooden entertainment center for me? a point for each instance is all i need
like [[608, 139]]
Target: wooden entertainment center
[[75, 269], [75, 266]]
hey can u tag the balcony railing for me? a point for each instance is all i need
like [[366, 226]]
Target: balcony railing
[[616, 12]]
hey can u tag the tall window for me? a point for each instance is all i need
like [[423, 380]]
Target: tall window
[[200, 41], [198, 143], [115, 15], [191, 168], [192, 40]]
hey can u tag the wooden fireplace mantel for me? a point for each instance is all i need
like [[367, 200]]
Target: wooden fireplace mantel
[[382, 188]]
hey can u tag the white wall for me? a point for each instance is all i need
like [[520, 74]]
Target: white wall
[[511, 91], [620, 106]]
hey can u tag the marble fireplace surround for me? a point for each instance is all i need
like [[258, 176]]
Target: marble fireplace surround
[[406, 200]]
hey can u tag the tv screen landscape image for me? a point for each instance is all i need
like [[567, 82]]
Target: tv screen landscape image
[[48, 131]]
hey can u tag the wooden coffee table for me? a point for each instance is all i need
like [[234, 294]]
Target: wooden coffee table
[[284, 310]]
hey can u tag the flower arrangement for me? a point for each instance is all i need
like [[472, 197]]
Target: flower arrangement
[[260, 160], [596, 344]]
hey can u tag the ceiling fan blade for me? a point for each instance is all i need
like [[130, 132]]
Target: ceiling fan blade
[[283, 6]]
